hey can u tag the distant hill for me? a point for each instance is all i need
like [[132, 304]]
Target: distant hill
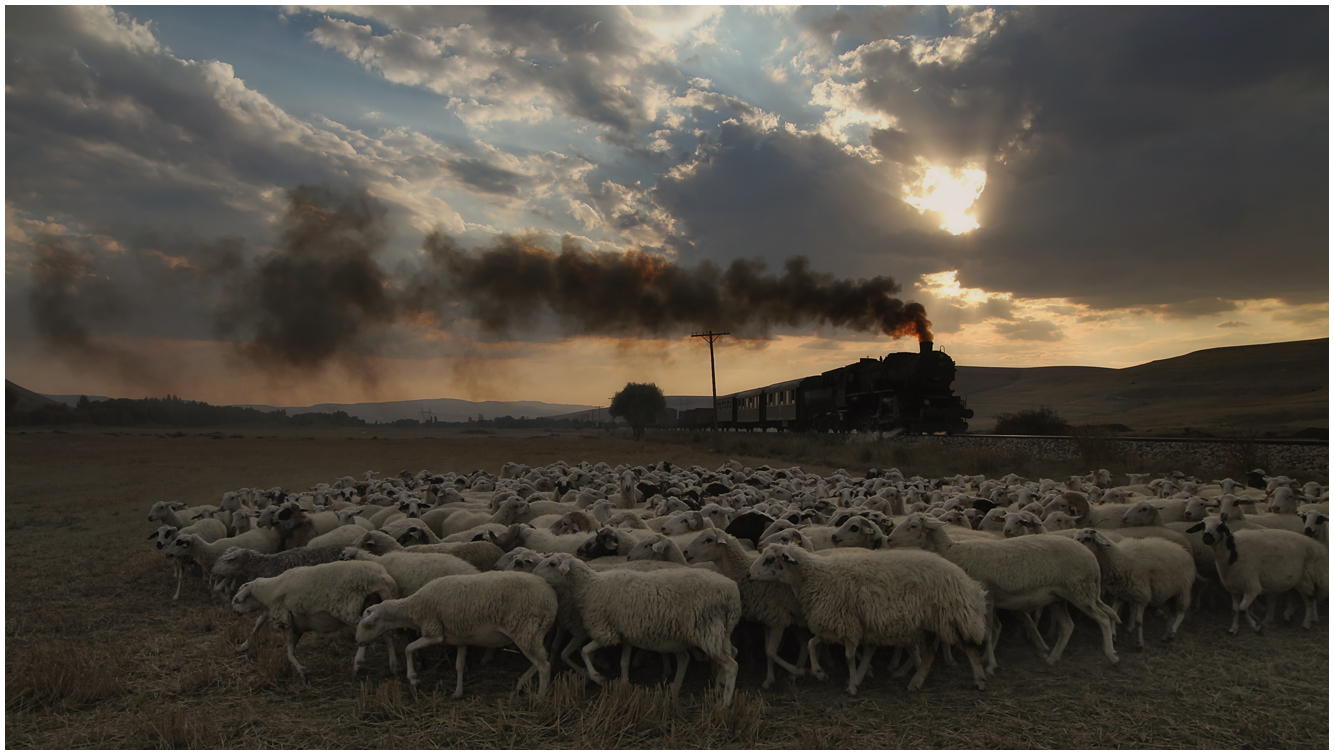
[[679, 403], [1268, 387], [443, 409], [1276, 387], [20, 399]]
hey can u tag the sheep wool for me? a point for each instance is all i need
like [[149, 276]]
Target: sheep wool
[[858, 597], [667, 611], [486, 610]]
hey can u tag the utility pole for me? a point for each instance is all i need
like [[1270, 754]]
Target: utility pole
[[712, 375]]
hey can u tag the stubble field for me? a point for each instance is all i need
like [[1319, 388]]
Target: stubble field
[[98, 656]]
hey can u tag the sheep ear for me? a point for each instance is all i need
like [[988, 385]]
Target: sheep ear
[[659, 546], [1102, 539], [1196, 528], [564, 567], [788, 558], [153, 535]]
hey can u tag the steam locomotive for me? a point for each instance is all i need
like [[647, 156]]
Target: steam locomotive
[[906, 391]]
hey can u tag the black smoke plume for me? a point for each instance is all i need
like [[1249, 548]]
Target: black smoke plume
[[626, 294], [312, 298], [69, 291]]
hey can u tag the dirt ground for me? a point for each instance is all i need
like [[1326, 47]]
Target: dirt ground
[[98, 656]]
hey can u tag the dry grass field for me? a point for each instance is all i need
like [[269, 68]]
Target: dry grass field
[[98, 656]]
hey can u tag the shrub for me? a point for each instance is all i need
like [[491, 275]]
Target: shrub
[[1041, 421]]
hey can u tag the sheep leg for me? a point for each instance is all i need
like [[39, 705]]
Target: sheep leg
[[949, 657], [863, 667], [1310, 611], [293, 636], [975, 661], [928, 651], [727, 669], [814, 647], [1031, 628], [667, 665], [1182, 603], [850, 652], [575, 642], [1067, 627], [773, 636], [682, 663], [1245, 607], [1291, 608], [1137, 611], [459, 665], [263, 617], [993, 633], [536, 653], [587, 653], [1272, 604], [180, 577], [1236, 614], [913, 660], [626, 653], [393, 657], [805, 652], [411, 649]]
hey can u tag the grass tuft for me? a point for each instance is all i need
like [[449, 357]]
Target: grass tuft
[[51, 673]]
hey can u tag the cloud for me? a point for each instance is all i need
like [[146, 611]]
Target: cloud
[[1202, 307], [1233, 324], [485, 177], [503, 62], [1029, 330], [776, 194], [1127, 151]]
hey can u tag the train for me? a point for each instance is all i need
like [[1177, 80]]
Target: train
[[905, 392]]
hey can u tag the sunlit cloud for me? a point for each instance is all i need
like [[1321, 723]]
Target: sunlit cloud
[[950, 193]]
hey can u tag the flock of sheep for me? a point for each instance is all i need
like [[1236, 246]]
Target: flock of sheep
[[563, 558]]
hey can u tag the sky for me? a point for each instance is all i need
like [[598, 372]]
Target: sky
[[306, 204]]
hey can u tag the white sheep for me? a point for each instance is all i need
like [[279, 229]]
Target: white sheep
[[668, 611], [240, 565], [485, 610], [479, 553], [858, 597], [771, 604], [321, 598], [1255, 562], [175, 514], [411, 570], [1146, 572], [344, 535], [195, 548], [1022, 574]]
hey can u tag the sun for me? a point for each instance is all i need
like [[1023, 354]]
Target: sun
[[950, 193]]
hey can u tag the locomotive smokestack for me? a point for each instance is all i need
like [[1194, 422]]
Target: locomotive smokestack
[[924, 347]]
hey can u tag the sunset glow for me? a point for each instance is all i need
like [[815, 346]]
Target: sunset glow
[[948, 193]]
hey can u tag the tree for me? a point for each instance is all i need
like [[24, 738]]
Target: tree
[[639, 403]]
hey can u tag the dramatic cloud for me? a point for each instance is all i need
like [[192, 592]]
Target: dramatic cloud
[[1050, 183]]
